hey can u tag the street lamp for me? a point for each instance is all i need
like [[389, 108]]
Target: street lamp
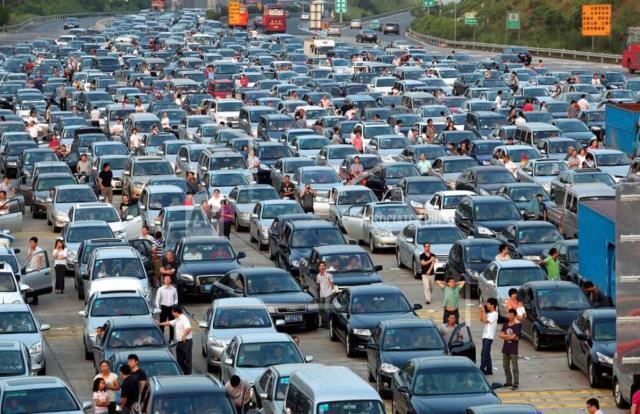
[[455, 20]]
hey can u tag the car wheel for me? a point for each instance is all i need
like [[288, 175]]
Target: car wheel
[[87, 355], [372, 244], [371, 377], [271, 255], [253, 239], [332, 333], [594, 381], [617, 395], [43, 371], [56, 229], [414, 269], [381, 392], [570, 363], [398, 259], [34, 212], [236, 222], [203, 351], [349, 346], [536, 340], [80, 292]]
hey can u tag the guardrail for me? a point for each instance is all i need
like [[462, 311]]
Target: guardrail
[[560, 53], [18, 27]]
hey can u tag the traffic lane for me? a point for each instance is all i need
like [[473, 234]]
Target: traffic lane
[[47, 29]]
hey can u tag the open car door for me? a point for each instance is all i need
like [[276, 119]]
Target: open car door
[[11, 215], [132, 221], [461, 342], [36, 273]]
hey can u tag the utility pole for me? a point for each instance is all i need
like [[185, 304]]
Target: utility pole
[[455, 20]]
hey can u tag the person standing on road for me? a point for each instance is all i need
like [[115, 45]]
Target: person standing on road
[[498, 101], [447, 328], [137, 373], [100, 398], [356, 139], [635, 403], [306, 199], [83, 168], [489, 317], [226, 218], [60, 264], [287, 189], [325, 283], [551, 264], [239, 391], [129, 391], [510, 333], [593, 406], [105, 180], [451, 301], [428, 262], [169, 266], [184, 336], [166, 298], [515, 303], [111, 381], [596, 297]]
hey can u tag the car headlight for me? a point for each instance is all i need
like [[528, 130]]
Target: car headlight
[[272, 309], [389, 368], [36, 348], [145, 292], [362, 332], [64, 214], [120, 234], [216, 342], [473, 274], [485, 231], [415, 204], [92, 334], [547, 186], [604, 359], [186, 277], [383, 232], [295, 263], [71, 255], [137, 184], [313, 307], [548, 322]]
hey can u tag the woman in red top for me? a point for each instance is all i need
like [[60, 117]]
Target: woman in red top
[[357, 140]]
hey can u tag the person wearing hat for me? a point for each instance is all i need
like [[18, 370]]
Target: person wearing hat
[[542, 207], [509, 140]]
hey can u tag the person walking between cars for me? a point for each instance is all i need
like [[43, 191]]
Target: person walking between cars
[[226, 218], [287, 189], [112, 385], [489, 317], [60, 264], [105, 181], [356, 139], [166, 298], [551, 265], [184, 336], [325, 285], [239, 391], [129, 390], [451, 301], [428, 262], [100, 398], [306, 199], [510, 333]]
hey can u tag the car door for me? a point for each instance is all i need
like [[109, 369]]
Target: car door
[[583, 339], [223, 288], [529, 306], [144, 248], [228, 360], [340, 307], [433, 207], [406, 243], [254, 221], [525, 174], [373, 351], [353, 220], [11, 216], [509, 235], [461, 342], [36, 273], [132, 221], [487, 282], [402, 384]]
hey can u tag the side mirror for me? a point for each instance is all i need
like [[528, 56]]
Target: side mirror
[[97, 347], [228, 361], [403, 389], [241, 255], [308, 358], [183, 159], [496, 385], [417, 306], [377, 268], [142, 207], [127, 173], [45, 327], [203, 325], [82, 313], [371, 344], [86, 405], [129, 217], [49, 200], [24, 288], [263, 396]]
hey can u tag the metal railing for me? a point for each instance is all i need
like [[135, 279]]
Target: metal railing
[[21, 26], [538, 51]]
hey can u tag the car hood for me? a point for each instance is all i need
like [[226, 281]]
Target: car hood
[[491, 188], [579, 136], [27, 338], [355, 278], [393, 226], [145, 178], [286, 298], [370, 320], [562, 318], [311, 153], [244, 207], [11, 297], [616, 170], [250, 375], [605, 347], [399, 358], [206, 267], [451, 404], [226, 335]]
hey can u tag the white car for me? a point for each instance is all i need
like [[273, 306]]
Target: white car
[[111, 284], [10, 290], [304, 16], [382, 84], [312, 113], [442, 205], [99, 211], [226, 110], [355, 24]]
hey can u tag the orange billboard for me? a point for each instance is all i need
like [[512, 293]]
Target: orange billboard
[[596, 20], [238, 14]]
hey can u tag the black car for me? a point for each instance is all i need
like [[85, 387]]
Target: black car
[[529, 239], [484, 180], [172, 394], [29, 157], [442, 385], [468, 258], [394, 342], [153, 362], [356, 311], [391, 28], [503, 409], [484, 216], [386, 175], [551, 307], [278, 224], [299, 237], [284, 297], [415, 191], [591, 344], [201, 261], [349, 265], [568, 260], [523, 194], [269, 153], [368, 36], [10, 155]]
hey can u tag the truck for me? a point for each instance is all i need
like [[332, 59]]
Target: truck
[[564, 213], [318, 47], [631, 52], [623, 127]]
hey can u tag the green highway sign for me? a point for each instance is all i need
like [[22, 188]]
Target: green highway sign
[[428, 3], [513, 21], [470, 19], [341, 6]]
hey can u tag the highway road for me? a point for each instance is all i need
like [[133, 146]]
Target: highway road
[[49, 29]]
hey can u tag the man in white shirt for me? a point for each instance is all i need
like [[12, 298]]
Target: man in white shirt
[[95, 117], [593, 406], [134, 140], [509, 165], [184, 336], [489, 317], [498, 101], [325, 284], [166, 298], [145, 234], [117, 128], [520, 119], [583, 103], [192, 254]]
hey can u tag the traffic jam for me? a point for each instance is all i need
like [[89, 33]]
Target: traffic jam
[[184, 198]]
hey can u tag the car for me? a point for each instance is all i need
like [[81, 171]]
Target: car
[[415, 191], [568, 260], [575, 129], [334, 30], [140, 169], [98, 212], [333, 155], [243, 200], [611, 161], [11, 152], [287, 166], [227, 317], [385, 175], [117, 265], [367, 35], [529, 239], [109, 305], [523, 195], [341, 198], [485, 216], [375, 25], [248, 355], [278, 224], [272, 387], [263, 215], [449, 168], [551, 307], [355, 24], [224, 181], [393, 28], [442, 384], [540, 171], [15, 360], [467, 259], [503, 409], [12, 291], [201, 262], [560, 184], [63, 198], [368, 161], [21, 325], [394, 342], [483, 180], [73, 234], [71, 23], [441, 206], [156, 197], [411, 241], [355, 312], [40, 395], [30, 157], [188, 216], [116, 165], [278, 289], [591, 345]]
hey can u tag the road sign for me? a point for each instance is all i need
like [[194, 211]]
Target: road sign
[[341, 6], [596, 20], [470, 19], [428, 3], [513, 21]]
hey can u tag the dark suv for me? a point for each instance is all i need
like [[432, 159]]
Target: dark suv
[[485, 216], [391, 28]]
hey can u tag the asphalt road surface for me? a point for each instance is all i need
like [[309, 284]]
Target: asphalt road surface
[[48, 29]]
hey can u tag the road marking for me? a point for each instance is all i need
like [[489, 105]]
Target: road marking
[[557, 399]]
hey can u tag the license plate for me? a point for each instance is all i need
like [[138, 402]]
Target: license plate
[[292, 318], [206, 288]]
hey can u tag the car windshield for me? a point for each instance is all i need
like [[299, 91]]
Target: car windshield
[[572, 125], [520, 276], [193, 403], [152, 168], [271, 283], [190, 229], [489, 122], [612, 160], [256, 194], [7, 282], [313, 143], [130, 338], [272, 211], [373, 130], [234, 318], [274, 152], [256, 355], [604, 330], [18, 148], [442, 235], [425, 187], [400, 212], [227, 180], [450, 381], [538, 235], [107, 214], [120, 267], [494, 177], [281, 125], [39, 400], [496, 211], [79, 234], [355, 197], [385, 82], [172, 149], [119, 306], [601, 177], [308, 238], [195, 252], [320, 177], [291, 167], [341, 152], [352, 262], [115, 163], [46, 184], [562, 299], [400, 171], [458, 166], [33, 157], [229, 106], [412, 339], [11, 364], [75, 195], [380, 303], [159, 201], [526, 193], [393, 143], [530, 153], [228, 163], [351, 407], [451, 202], [16, 323]]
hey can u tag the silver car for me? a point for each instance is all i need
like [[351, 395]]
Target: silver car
[[333, 155], [342, 198], [263, 215], [411, 242], [378, 224], [308, 145], [388, 147], [541, 171], [63, 198], [243, 200], [156, 197], [322, 180], [139, 170], [228, 317], [449, 168], [40, 395], [223, 180], [287, 166], [187, 160], [75, 233], [272, 387], [20, 324]]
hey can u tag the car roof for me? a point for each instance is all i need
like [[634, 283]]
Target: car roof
[[515, 264], [340, 249], [163, 188], [174, 384], [145, 355], [252, 338], [115, 252], [373, 289], [246, 302], [408, 323], [443, 362], [550, 284], [332, 383], [87, 223], [312, 224], [25, 383], [132, 322], [488, 199]]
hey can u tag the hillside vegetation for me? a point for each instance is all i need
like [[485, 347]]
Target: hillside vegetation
[[16, 11], [544, 23]]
